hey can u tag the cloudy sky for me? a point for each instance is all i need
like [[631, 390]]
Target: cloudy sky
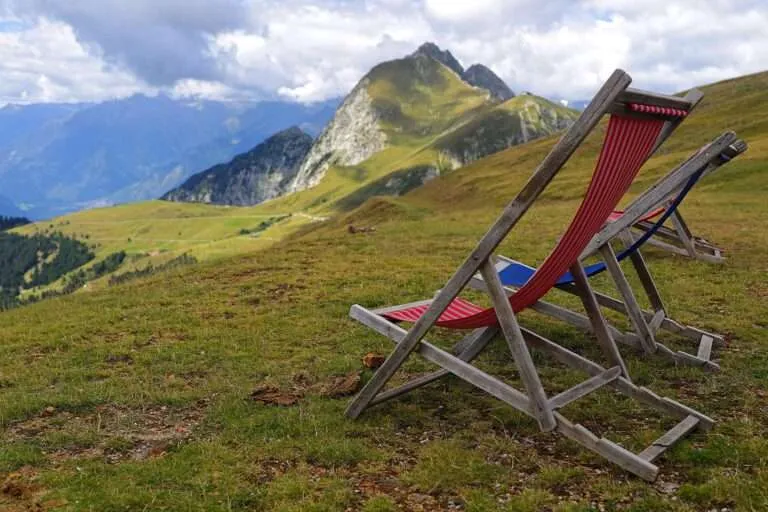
[[309, 50]]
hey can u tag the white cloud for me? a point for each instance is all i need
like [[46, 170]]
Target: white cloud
[[463, 10], [308, 50], [45, 63]]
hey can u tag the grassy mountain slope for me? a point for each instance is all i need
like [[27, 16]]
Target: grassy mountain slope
[[138, 396], [429, 115], [426, 111]]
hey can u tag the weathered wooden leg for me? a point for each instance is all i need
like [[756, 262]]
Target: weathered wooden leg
[[607, 449], [634, 310], [621, 384], [684, 234], [646, 279], [466, 350], [597, 319], [518, 348]]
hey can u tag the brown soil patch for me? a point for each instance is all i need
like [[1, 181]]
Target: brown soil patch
[[113, 432], [332, 387]]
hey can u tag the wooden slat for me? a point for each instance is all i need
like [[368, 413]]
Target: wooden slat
[[608, 449], [466, 350], [690, 359], [656, 321], [705, 348], [511, 215], [635, 312], [646, 280], [381, 311], [661, 445], [584, 388], [652, 98], [683, 234], [596, 318], [518, 347], [447, 361]]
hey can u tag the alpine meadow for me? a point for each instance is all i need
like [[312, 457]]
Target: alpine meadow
[[199, 355]]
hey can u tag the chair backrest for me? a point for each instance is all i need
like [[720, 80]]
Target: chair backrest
[[632, 135], [726, 156], [680, 179], [629, 141]]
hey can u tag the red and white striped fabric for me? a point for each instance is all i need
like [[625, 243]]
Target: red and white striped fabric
[[653, 109], [616, 215], [457, 310], [627, 145]]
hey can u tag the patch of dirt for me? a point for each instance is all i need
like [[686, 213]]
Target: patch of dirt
[[113, 432], [284, 290], [338, 387], [118, 358], [19, 491], [272, 395], [302, 384]]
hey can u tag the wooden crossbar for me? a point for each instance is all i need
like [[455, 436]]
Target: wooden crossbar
[[663, 443], [584, 388], [705, 347]]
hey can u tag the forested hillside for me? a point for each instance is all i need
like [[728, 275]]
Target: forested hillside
[[7, 222], [30, 261]]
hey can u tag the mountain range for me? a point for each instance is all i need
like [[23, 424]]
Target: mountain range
[[426, 106], [56, 158]]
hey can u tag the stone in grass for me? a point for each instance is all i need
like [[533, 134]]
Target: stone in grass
[[371, 360], [272, 395]]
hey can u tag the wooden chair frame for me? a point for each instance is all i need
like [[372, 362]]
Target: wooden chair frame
[[534, 401], [645, 323]]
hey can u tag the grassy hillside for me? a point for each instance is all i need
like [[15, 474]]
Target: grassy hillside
[[139, 396], [427, 112], [155, 232]]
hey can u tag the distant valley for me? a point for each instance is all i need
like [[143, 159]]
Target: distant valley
[[237, 179], [57, 158]]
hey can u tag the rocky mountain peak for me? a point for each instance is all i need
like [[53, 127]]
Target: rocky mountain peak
[[353, 136], [477, 75], [480, 76], [444, 57]]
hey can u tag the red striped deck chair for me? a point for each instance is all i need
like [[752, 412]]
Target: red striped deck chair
[[671, 190], [638, 121]]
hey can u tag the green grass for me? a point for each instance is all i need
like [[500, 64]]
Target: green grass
[[184, 349]]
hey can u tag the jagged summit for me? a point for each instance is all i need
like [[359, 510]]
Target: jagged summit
[[445, 57], [476, 75], [481, 76]]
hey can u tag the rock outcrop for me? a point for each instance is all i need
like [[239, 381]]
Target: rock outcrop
[[263, 173], [353, 136], [444, 57]]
